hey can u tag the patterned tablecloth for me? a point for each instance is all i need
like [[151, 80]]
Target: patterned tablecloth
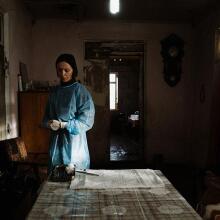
[[58, 201]]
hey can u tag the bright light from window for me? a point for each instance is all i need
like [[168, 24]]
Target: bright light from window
[[114, 6], [112, 96], [112, 77], [113, 91]]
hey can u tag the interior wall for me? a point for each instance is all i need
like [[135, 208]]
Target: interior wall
[[18, 29], [206, 139], [179, 120], [168, 111]]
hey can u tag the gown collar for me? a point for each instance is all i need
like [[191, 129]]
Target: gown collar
[[70, 82]]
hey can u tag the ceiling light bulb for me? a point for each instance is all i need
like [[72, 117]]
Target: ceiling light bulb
[[114, 6]]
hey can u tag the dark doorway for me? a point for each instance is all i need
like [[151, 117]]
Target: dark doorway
[[119, 124], [126, 107]]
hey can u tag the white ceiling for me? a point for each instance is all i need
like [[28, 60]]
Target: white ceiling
[[131, 10]]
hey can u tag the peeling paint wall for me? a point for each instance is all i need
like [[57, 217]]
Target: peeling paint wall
[[95, 77]]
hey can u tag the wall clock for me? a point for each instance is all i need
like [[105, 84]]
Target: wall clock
[[172, 53]]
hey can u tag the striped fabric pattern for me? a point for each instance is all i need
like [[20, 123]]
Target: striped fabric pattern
[[58, 201]]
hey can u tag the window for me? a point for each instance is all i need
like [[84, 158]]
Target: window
[[113, 91]]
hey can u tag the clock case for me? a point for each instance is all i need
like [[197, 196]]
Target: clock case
[[172, 53]]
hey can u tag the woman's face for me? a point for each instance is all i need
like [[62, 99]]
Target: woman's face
[[64, 71]]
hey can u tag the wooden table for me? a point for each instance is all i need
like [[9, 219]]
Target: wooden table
[[58, 201]]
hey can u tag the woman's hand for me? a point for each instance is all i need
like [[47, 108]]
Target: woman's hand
[[56, 125]]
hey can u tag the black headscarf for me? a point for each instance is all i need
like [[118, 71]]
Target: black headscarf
[[70, 59]]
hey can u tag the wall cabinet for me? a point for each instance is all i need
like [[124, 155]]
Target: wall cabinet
[[31, 110]]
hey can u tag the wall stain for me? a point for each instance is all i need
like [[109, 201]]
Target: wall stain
[[95, 75]]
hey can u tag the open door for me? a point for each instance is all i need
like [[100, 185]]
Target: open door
[[96, 80], [126, 108], [113, 72]]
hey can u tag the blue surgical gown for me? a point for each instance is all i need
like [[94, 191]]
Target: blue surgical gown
[[72, 104]]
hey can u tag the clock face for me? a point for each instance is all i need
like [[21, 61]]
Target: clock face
[[173, 51]]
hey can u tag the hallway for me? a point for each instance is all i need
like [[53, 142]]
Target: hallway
[[123, 148]]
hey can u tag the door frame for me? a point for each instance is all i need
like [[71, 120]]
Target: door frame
[[139, 57], [102, 50]]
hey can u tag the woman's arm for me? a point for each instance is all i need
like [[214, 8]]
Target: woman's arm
[[84, 117]]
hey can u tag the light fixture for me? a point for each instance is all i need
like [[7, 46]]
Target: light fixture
[[114, 6]]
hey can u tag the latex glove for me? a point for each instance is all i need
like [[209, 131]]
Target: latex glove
[[63, 124], [70, 169], [54, 125]]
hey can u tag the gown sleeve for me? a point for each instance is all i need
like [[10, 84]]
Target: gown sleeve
[[84, 117]]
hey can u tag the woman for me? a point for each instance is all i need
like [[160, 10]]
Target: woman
[[69, 114]]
